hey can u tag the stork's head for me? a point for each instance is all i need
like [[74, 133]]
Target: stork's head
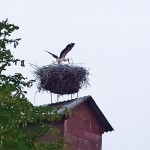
[[61, 60], [67, 60]]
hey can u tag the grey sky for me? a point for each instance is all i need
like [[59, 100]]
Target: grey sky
[[112, 38]]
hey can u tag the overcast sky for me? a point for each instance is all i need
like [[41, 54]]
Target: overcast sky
[[112, 38]]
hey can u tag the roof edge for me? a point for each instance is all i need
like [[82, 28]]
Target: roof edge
[[101, 118]]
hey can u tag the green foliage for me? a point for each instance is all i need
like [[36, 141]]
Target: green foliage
[[21, 123]]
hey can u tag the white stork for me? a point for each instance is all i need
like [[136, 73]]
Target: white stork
[[63, 53]]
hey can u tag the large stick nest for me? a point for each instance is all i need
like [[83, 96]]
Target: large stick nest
[[61, 78]]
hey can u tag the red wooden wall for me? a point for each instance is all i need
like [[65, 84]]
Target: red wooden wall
[[82, 130]]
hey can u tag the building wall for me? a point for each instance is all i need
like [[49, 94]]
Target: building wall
[[82, 131]]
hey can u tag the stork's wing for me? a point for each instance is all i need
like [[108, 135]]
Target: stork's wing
[[66, 50], [55, 56]]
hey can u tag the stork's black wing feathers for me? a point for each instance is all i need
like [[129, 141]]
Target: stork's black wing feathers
[[55, 56], [66, 50]]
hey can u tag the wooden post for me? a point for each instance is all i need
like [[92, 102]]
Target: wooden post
[[57, 98], [51, 98]]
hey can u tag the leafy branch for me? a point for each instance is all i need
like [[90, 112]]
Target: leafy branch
[[21, 124]]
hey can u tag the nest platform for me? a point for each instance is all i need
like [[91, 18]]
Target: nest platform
[[61, 78]]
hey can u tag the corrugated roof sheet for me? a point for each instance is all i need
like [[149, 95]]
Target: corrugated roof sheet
[[71, 104]]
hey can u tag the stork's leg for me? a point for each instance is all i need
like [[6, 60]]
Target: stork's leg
[[77, 94], [71, 96]]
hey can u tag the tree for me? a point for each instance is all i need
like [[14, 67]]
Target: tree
[[17, 114]]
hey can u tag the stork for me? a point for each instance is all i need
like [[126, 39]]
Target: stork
[[63, 53]]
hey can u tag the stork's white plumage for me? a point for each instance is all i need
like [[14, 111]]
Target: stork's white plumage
[[63, 53]]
